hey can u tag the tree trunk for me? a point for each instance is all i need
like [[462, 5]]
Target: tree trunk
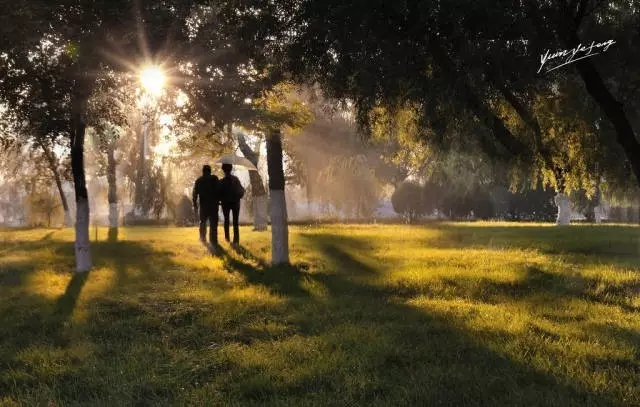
[[53, 166], [113, 192], [63, 198], [278, 207], [612, 108], [140, 208], [308, 190], [82, 243], [261, 219], [564, 209], [257, 187]]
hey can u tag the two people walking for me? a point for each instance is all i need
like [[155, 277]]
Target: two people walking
[[208, 193]]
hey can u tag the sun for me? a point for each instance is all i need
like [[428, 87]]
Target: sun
[[152, 79]]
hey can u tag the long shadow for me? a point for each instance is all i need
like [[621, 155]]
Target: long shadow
[[47, 236], [422, 357], [67, 302], [284, 279], [37, 321], [428, 351], [538, 281], [246, 254], [31, 255], [620, 244], [112, 234], [123, 255]]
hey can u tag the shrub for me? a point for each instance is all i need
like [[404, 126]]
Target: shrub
[[185, 215], [408, 201]]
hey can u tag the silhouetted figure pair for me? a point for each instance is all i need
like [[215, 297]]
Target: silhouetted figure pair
[[209, 191]]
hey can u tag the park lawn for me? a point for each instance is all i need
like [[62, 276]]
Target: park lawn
[[463, 314]]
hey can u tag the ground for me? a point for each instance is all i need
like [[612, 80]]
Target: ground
[[446, 314]]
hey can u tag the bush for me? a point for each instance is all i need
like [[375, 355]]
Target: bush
[[130, 219], [408, 200], [185, 216]]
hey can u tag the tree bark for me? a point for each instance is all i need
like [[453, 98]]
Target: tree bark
[[278, 207], [257, 187], [140, 195], [82, 243], [63, 198], [564, 209], [614, 111], [308, 191], [612, 108], [111, 181]]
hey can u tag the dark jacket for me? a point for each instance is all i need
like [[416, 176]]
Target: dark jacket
[[231, 189], [207, 188]]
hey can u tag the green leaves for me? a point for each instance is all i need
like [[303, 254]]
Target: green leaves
[[72, 50]]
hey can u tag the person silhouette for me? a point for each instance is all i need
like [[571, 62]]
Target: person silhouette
[[231, 191], [205, 198]]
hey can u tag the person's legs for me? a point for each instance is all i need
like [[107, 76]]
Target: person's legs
[[204, 216], [213, 227], [236, 223], [225, 212]]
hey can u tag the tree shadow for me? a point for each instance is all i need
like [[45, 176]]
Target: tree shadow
[[47, 236], [67, 302], [132, 261], [20, 259], [282, 279], [112, 234], [614, 243], [373, 347], [434, 356], [247, 255]]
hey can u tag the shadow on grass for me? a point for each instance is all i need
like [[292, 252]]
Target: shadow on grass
[[33, 322], [432, 361], [67, 302], [358, 343], [402, 354], [285, 279], [132, 262], [620, 244], [112, 234], [20, 259], [47, 236]]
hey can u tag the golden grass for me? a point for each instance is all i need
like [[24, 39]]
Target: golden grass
[[448, 314]]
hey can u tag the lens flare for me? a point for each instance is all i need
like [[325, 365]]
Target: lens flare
[[152, 79]]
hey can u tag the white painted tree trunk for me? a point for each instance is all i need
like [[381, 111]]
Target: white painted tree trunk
[[564, 209], [279, 228], [67, 219], [260, 219], [113, 215], [598, 212], [82, 245]]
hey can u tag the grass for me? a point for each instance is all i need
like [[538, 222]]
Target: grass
[[444, 314]]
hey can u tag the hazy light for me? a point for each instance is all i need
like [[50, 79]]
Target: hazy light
[[152, 79]]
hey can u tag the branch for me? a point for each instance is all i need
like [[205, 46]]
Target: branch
[[527, 117], [502, 134], [581, 12], [249, 153], [48, 154]]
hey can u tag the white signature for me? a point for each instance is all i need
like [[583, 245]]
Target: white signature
[[570, 54]]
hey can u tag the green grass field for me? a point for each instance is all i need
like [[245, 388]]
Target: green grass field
[[468, 314]]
